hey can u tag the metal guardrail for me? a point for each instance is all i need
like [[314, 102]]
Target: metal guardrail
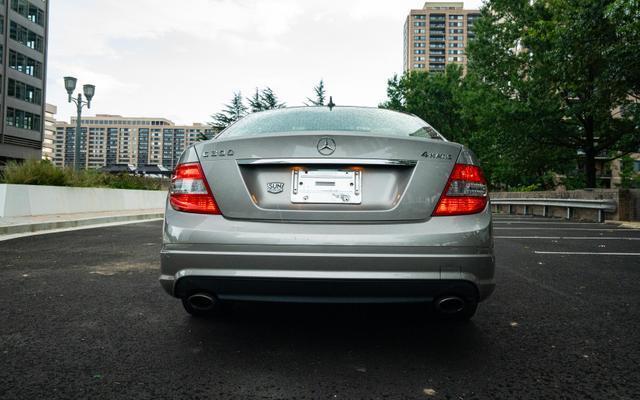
[[601, 206]]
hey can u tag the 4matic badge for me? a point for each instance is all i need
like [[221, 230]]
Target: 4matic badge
[[437, 156]]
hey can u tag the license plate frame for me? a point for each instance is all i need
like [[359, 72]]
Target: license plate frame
[[326, 186]]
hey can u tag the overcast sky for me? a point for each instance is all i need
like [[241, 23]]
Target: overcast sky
[[183, 60]]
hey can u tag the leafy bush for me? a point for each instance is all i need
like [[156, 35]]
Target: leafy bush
[[34, 172], [41, 172], [525, 188]]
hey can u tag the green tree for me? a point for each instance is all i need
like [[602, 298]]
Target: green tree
[[270, 100], [434, 97], [255, 102], [560, 66], [231, 113], [500, 131], [319, 97], [395, 96], [505, 136]]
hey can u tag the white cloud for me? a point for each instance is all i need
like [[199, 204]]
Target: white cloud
[[183, 59]]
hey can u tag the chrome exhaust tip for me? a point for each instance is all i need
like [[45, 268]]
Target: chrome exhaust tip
[[450, 305], [202, 301]]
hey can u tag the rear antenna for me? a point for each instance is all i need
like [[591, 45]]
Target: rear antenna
[[331, 103]]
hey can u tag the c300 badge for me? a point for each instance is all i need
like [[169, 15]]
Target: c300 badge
[[275, 187]]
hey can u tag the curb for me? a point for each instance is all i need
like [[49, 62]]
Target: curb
[[45, 226]]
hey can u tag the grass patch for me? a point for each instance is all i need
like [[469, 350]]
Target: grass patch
[[42, 172]]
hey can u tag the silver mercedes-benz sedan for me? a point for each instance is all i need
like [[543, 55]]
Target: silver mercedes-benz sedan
[[329, 204]]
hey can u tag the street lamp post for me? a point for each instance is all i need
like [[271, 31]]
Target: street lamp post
[[89, 91]]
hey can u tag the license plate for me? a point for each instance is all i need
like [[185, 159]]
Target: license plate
[[326, 186]]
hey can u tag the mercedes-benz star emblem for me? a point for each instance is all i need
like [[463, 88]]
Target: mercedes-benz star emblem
[[326, 146]]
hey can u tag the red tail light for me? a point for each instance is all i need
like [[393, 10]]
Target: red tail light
[[190, 191], [465, 193]]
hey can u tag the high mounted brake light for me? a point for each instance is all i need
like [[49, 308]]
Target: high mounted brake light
[[190, 191], [465, 193]]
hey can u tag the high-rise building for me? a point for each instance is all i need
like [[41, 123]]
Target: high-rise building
[[49, 131], [437, 35], [109, 140], [23, 58]]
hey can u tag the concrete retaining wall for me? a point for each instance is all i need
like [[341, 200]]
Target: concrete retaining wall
[[26, 200], [627, 201]]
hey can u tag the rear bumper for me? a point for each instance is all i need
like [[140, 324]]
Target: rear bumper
[[330, 290], [336, 277], [268, 261]]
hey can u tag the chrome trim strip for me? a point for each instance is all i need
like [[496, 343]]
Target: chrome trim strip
[[435, 275], [324, 161], [325, 255]]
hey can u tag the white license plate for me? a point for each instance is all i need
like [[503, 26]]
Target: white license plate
[[326, 186]]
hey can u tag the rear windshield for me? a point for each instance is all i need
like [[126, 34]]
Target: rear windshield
[[368, 120]]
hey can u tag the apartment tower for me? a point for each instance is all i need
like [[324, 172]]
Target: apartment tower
[[23, 55], [437, 35], [109, 140]]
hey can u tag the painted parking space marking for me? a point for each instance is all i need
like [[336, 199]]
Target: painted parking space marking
[[584, 253], [567, 237], [548, 223], [567, 229]]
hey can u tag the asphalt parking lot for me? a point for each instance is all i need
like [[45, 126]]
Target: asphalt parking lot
[[83, 316]]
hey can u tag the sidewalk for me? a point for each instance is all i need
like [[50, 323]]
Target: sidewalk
[[21, 225]]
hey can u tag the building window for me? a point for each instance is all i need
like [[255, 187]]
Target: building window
[[23, 119], [29, 11], [24, 92], [28, 38]]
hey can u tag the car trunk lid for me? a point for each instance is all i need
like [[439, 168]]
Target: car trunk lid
[[382, 178]]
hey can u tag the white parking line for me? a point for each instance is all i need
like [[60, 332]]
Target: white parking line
[[526, 219], [546, 223], [568, 237], [584, 253], [568, 229]]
